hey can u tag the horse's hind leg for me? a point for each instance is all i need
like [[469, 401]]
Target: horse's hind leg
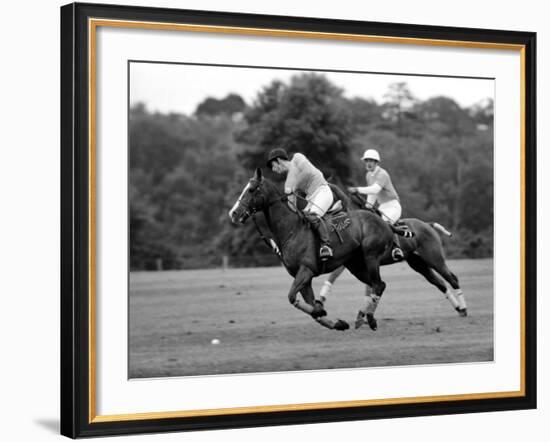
[[419, 265], [451, 278], [433, 256]]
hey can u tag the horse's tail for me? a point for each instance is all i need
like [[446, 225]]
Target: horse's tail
[[441, 229]]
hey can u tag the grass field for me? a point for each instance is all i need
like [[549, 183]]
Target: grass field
[[174, 316]]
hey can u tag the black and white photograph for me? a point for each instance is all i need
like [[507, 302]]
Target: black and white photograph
[[298, 219], [275, 221]]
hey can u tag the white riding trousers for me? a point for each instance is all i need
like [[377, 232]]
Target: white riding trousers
[[320, 201], [391, 211]]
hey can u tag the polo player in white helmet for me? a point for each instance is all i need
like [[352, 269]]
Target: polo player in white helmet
[[379, 189]]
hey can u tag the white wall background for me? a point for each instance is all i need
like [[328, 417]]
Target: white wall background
[[29, 223]]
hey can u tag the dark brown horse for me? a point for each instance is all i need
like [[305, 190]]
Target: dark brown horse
[[360, 249], [423, 252]]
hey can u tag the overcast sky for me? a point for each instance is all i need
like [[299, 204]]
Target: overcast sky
[[180, 88]]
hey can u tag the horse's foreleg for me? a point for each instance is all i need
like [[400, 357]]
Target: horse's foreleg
[[318, 309], [314, 308], [302, 284], [368, 272], [374, 290]]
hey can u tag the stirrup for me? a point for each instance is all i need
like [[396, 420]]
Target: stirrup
[[397, 254], [325, 252]]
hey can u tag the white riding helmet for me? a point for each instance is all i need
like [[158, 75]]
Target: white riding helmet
[[371, 154]]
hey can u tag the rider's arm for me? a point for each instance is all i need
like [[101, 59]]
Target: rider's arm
[[290, 181], [293, 172], [370, 190]]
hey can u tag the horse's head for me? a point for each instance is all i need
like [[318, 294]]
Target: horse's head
[[253, 199]]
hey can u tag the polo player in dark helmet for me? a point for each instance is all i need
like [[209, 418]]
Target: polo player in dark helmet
[[304, 176]]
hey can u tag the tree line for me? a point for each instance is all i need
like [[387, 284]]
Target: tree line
[[186, 171]]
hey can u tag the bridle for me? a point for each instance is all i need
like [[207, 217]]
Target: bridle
[[254, 185], [252, 211]]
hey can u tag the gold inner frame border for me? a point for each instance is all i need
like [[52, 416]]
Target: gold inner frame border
[[93, 24]]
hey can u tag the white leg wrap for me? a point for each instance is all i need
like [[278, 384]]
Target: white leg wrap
[[460, 297], [325, 291], [452, 299], [371, 302]]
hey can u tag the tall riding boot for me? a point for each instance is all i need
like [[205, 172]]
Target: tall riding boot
[[396, 252], [321, 228]]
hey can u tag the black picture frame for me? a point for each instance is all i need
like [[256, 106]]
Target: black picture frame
[[76, 249]]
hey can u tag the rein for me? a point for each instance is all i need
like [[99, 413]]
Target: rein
[[252, 213], [268, 241]]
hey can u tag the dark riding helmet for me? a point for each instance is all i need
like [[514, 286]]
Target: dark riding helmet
[[274, 154]]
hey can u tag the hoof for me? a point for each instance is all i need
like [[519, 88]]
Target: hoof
[[341, 325], [318, 310], [462, 312], [360, 320], [371, 321]]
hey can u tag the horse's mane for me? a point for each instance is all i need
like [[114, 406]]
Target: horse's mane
[[274, 188], [272, 185], [349, 201]]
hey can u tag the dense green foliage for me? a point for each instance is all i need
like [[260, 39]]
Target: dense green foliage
[[187, 171]]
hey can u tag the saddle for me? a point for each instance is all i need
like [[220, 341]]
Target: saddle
[[399, 227], [337, 219]]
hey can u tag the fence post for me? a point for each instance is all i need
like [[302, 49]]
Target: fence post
[[225, 262]]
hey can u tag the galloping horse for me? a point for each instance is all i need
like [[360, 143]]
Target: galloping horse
[[368, 238], [423, 252]]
